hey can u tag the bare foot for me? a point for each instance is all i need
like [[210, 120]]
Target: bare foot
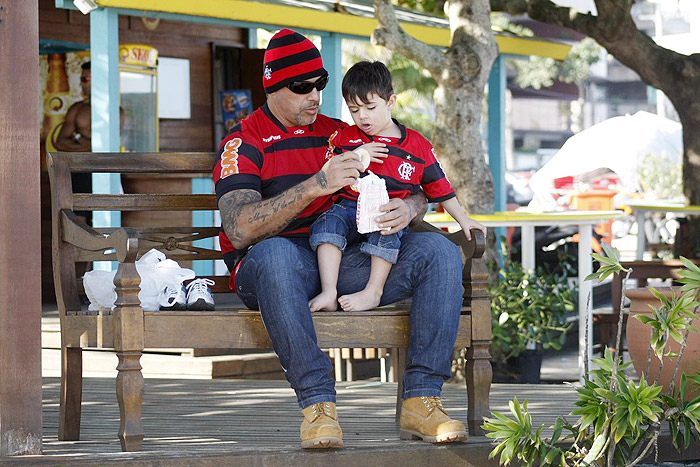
[[326, 301], [360, 301]]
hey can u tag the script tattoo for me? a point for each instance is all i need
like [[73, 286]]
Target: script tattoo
[[244, 211], [231, 206], [321, 179]]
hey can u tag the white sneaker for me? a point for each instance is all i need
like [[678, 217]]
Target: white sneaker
[[172, 299], [199, 296]]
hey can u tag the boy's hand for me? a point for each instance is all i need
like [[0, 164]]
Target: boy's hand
[[377, 152], [472, 224]]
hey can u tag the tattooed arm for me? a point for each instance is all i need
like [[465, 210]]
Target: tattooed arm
[[247, 218]]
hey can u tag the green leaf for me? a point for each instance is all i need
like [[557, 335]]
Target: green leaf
[[596, 449]]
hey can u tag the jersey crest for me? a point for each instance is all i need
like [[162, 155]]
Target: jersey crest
[[406, 169]]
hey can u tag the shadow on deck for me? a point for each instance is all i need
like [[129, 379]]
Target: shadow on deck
[[245, 422]]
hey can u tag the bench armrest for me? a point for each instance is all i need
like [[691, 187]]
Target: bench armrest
[[124, 241], [473, 248]]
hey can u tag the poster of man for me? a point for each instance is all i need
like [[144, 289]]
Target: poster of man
[[236, 105]]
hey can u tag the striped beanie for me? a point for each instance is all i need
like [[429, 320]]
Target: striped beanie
[[290, 57]]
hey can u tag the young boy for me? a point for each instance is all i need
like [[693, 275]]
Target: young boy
[[409, 166]]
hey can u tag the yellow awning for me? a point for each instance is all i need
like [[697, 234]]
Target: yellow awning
[[323, 20]]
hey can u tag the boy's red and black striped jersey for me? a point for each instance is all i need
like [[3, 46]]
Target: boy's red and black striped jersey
[[411, 164], [261, 154]]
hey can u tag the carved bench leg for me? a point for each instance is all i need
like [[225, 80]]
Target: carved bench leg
[[71, 393], [130, 398], [129, 344], [478, 375]]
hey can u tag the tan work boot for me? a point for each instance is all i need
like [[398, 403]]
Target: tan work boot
[[320, 429], [425, 418]]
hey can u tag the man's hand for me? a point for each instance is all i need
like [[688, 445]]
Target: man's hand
[[339, 171], [398, 215]]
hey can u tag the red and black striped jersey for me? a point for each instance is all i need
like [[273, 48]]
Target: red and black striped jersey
[[261, 154], [410, 166]]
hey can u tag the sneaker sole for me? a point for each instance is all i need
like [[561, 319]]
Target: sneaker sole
[[201, 305], [451, 437], [324, 442], [177, 307]]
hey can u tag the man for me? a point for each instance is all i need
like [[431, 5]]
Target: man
[[274, 177], [76, 132]]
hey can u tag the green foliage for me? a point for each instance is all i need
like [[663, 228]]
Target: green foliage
[[529, 307], [618, 420], [660, 177], [541, 72], [434, 7], [671, 319], [609, 263]]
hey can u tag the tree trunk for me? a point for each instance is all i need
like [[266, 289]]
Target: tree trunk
[[690, 119], [457, 141], [461, 73]]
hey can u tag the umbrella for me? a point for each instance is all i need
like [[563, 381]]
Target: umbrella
[[618, 144]]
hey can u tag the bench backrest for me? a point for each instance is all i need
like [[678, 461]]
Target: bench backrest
[[71, 244]]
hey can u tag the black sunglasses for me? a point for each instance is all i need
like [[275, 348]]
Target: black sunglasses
[[305, 87]]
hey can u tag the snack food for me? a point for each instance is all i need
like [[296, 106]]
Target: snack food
[[364, 157]]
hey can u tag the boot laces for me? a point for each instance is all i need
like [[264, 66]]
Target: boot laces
[[321, 408], [432, 403]]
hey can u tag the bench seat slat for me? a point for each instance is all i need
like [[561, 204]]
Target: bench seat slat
[[244, 329]]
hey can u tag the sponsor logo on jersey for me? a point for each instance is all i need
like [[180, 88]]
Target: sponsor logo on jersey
[[406, 170], [298, 132], [355, 141], [329, 149], [229, 158], [270, 138], [384, 139]]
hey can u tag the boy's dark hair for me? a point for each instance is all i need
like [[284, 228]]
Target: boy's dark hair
[[85, 66], [365, 78]]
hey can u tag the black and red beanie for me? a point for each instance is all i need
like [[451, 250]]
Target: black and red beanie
[[290, 57]]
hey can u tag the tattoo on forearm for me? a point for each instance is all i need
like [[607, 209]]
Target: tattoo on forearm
[[267, 217], [231, 207], [321, 179]]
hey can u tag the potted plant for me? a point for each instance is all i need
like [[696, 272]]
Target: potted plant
[[619, 419], [529, 313], [664, 310]]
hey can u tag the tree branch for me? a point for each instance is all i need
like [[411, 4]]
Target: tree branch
[[390, 35]]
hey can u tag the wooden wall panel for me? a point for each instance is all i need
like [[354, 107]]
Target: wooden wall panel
[[172, 39]]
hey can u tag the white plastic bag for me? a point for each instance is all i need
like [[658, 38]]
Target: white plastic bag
[[373, 194], [156, 273]]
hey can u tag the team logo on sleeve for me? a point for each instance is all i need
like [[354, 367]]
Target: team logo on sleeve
[[229, 157], [406, 170], [329, 149]]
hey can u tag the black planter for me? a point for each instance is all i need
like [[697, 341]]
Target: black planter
[[530, 364]]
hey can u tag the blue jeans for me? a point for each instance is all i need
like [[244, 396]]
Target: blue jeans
[[338, 227], [279, 276]]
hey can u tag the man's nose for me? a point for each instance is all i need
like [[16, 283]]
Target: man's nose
[[315, 95]]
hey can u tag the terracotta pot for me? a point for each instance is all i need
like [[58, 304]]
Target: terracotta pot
[[639, 335]]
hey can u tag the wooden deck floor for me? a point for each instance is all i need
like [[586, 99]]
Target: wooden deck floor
[[248, 422]]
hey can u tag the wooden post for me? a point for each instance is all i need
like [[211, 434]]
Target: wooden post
[[20, 237]]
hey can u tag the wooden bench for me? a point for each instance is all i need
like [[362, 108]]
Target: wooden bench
[[128, 329]]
